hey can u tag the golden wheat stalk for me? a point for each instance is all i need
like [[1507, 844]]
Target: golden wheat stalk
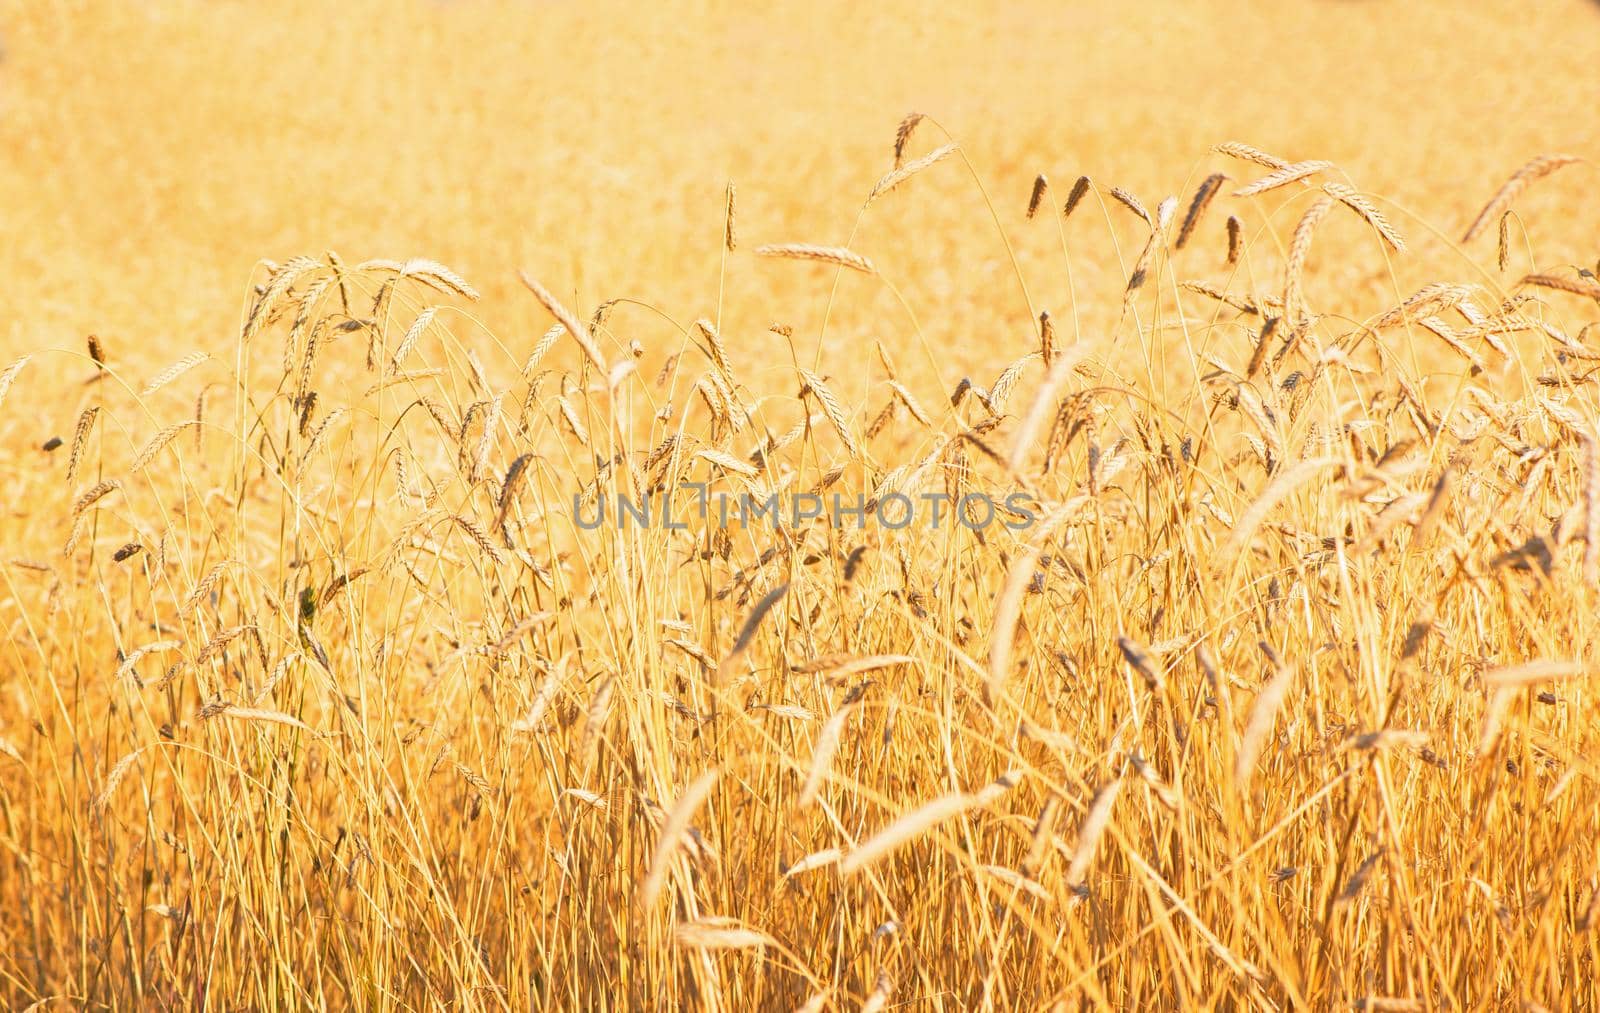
[[900, 174], [1520, 180], [823, 254], [1248, 153], [1197, 207], [673, 828], [909, 826], [574, 326], [1283, 177]]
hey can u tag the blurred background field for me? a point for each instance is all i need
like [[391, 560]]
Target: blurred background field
[[151, 153]]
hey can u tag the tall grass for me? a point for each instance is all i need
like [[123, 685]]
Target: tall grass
[[322, 691]]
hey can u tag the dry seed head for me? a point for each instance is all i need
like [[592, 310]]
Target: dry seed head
[[895, 177], [825, 254], [1133, 204], [1040, 185], [1561, 283], [1524, 177], [718, 934], [1235, 240], [1262, 713], [1140, 661], [1197, 207], [907, 827], [1283, 177], [80, 436], [673, 828], [822, 755], [1090, 830], [94, 494], [574, 326], [833, 408], [1248, 153], [171, 373], [902, 136], [157, 443], [1353, 199]]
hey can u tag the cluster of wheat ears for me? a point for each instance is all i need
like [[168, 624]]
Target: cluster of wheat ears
[[319, 695]]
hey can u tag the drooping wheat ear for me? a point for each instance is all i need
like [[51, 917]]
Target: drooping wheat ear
[[134, 656], [80, 436], [1133, 204], [1280, 487], [1438, 499], [1436, 297], [337, 264], [1262, 713], [102, 801], [1561, 283], [94, 494], [1263, 340], [912, 404], [9, 375], [898, 175], [97, 351], [719, 351], [909, 825], [1000, 391], [574, 326], [1079, 189], [277, 287], [339, 583], [158, 443], [1043, 837], [1283, 177], [541, 349], [542, 699], [479, 538], [827, 254], [205, 585], [319, 434], [1235, 240], [1197, 207], [1358, 881], [730, 238], [673, 828], [714, 933], [218, 643], [516, 477], [833, 408], [594, 723], [902, 136], [1047, 337], [1591, 510], [437, 277], [1247, 153], [1353, 199], [1164, 212], [412, 336], [1523, 178], [1138, 659], [1040, 186], [1530, 672], [1503, 250], [171, 373], [1090, 830], [1299, 250], [822, 755], [747, 632]]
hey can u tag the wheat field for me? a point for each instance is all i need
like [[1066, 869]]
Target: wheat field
[[552, 506]]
